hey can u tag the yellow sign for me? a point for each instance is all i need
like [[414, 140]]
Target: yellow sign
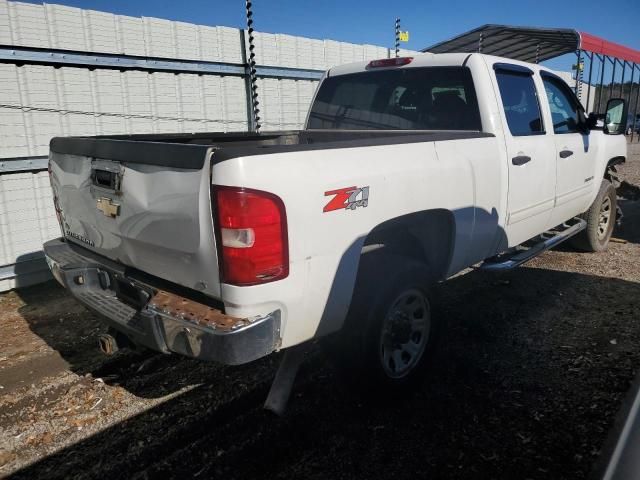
[[404, 36]]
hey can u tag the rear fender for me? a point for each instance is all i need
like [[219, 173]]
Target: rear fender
[[426, 237]]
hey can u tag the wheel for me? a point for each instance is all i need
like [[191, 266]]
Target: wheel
[[403, 336], [390, 333], [600, 220]]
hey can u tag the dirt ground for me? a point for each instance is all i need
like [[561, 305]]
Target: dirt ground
[[532, 368]]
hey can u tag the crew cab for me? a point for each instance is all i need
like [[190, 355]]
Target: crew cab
[[230, 246]]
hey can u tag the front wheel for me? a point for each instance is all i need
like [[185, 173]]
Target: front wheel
[[600, 218]]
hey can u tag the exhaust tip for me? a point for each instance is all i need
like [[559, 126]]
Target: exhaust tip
[[107, 344]]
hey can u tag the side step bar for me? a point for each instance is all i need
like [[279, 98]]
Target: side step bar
[[508, 261]]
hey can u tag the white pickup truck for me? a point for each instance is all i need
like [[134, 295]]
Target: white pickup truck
[[230, 246]]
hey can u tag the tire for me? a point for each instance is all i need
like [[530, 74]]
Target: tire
[[600, 220], [390, 333]]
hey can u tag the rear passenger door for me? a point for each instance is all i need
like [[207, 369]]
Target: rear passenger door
[[576, 156], [530, 151]]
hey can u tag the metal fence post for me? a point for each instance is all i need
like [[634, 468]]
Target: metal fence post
[[578, 86], [635, 110], [251, 64], [397, 37], [587, 107], [624, 67], [601, 84], [251, 124], [613, 77]]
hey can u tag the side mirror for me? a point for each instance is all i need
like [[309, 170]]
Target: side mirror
[[615, 117], [592, 121]]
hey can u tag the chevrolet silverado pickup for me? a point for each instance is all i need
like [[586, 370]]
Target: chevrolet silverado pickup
[[230, 246]]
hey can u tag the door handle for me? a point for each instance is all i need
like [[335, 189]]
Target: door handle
[[520, 160], [565, 153]]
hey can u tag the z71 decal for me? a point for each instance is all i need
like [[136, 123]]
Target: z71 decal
[[348, 198]]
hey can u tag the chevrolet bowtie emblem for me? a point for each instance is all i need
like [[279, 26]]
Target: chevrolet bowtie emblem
[[107, 207]]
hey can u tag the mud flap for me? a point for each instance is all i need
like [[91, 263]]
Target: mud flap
[[282, 385]]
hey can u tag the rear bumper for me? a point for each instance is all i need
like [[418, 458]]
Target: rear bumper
[[152, 318]]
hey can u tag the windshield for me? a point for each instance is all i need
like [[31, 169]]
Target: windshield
[[431, 98]]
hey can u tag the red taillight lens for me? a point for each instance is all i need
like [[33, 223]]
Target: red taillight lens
[[390, 62], [253, 236]]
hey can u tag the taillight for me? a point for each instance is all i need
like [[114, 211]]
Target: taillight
[[253, 236], [390, 62]]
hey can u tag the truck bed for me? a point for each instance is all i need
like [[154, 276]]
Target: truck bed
[[144, 201], [189, 150]]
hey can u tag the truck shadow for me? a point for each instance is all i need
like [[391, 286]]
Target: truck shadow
[[629, 228], [528, 377], [629, 201], [72, 331]]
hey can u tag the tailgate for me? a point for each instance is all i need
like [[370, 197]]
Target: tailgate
[[146, 205]]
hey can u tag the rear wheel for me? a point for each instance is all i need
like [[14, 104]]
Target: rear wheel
[[390, 332], [404, 333], [600, 219]]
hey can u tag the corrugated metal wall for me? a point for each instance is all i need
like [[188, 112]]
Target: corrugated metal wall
[[38, 102], [27, 220]]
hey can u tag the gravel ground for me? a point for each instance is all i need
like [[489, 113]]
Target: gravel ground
[[532, 367]]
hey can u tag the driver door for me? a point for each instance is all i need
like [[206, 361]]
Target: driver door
[[575, 154]]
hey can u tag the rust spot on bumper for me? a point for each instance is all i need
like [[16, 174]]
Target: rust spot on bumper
[[198, 313]]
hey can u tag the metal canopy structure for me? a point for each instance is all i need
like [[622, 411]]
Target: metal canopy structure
[[520, 43], [532, 44], [536, 45]]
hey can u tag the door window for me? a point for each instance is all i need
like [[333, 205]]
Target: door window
[[520, 102], [565, 111]]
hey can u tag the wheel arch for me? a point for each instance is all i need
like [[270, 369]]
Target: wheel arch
[[616, 161], [610, 170], [426, 236]]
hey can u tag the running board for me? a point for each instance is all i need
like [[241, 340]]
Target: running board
[[508, 261]]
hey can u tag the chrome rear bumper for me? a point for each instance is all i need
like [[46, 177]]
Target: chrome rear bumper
[[158, 319]]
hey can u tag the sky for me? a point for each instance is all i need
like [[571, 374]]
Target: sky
[[372, 22]]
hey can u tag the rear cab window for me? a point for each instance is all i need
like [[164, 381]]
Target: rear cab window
[[520, 100], [419, 98]]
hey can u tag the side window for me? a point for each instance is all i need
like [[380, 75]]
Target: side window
[[565, 112], [520, 102]]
